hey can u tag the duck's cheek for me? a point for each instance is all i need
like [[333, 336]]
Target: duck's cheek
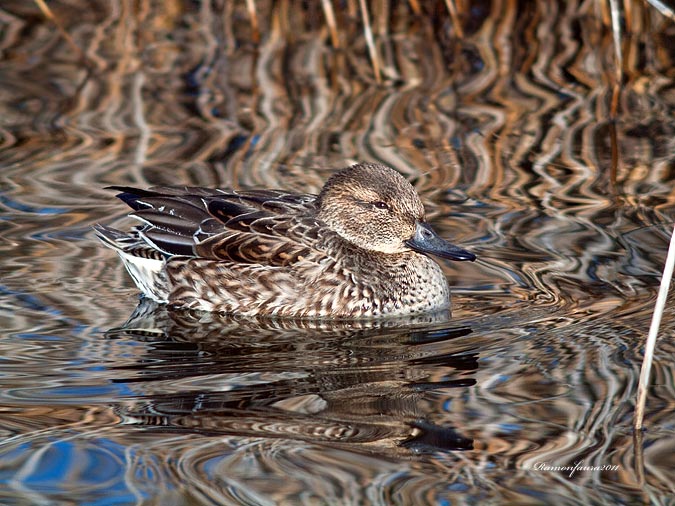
[[390, 242]]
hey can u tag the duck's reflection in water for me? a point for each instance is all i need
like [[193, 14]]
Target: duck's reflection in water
[[372, 384]]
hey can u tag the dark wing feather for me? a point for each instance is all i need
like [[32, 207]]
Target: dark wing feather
[[225, 210], [167, 242], [165, 222], [267, 227], [132, 196]]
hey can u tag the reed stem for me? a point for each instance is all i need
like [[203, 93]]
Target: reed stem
[[643, 384]]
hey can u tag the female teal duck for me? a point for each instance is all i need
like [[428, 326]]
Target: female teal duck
[[358, 249]]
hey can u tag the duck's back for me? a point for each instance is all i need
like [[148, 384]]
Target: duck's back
[[247, 226], [197, 245]]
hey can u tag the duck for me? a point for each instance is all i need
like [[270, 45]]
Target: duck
[[360, 248]]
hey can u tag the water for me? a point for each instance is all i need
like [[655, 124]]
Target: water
[[508, 138]]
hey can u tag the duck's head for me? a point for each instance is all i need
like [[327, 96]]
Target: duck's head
[[377, 209]]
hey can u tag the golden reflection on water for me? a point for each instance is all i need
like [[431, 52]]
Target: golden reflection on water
[[506, 134]]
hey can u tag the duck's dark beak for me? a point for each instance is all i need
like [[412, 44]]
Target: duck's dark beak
[[427, 241]]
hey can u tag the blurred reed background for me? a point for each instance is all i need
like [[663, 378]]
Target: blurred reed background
[[283, 86], [509, 124]]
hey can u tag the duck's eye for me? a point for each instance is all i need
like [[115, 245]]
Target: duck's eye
[[381, 205]]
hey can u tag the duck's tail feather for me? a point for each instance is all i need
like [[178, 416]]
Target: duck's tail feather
[[144, 264]]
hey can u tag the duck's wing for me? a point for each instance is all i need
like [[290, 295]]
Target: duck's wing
[[267, 227]]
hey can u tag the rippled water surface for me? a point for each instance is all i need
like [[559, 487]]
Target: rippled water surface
[[507, 134]]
